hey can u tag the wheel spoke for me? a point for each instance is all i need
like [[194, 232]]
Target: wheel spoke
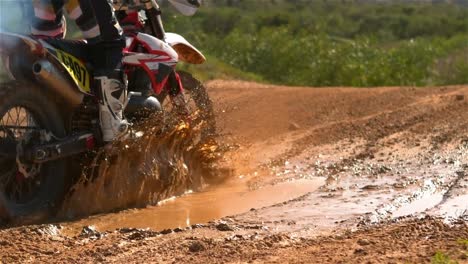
[[15, 125], [8, 121], [25, 119], [16, 116], [8, 118]]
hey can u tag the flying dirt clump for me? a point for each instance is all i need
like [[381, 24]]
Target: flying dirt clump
[[166, 158]]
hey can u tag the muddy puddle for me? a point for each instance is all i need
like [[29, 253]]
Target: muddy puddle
[[195, 208], [364, 192], [164, 158]]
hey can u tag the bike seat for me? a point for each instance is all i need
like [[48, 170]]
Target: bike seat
[[76, 48]]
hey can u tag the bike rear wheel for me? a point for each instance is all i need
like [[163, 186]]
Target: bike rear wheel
[[28, 192]]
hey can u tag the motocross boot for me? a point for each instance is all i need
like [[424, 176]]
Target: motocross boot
[[112, 95]]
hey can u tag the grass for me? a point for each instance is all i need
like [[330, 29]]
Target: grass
[[441, 258], [463, 241]]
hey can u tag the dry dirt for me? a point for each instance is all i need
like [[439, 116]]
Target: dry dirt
[[316, 175]]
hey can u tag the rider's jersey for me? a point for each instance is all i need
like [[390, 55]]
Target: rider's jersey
[[94, 18]]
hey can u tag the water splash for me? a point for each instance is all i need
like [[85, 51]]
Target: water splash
[[167, 159]]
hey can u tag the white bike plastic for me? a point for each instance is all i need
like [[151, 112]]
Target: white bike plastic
[[186, 51], [184, 7]]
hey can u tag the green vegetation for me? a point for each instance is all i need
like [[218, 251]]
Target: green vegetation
[[463, 242], [322, 42], [441, 258], [330, 43]]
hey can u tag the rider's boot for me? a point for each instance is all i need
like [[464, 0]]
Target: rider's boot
[[112, 95]]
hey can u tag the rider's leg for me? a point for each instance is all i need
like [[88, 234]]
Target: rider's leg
[[110, 88], [112, 98], [46, 18], [96, 20]]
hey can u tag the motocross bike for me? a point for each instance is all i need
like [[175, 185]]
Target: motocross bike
[[49, 114]]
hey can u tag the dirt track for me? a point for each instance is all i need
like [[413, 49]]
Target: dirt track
[[331, 175]]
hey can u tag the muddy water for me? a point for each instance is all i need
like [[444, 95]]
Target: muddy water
[[159, 162], [165, 162], [360, 192], [194, 208]]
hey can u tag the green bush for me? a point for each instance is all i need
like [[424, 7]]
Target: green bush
[[324, 61], [441, 258], [329, 43], [323, 43]]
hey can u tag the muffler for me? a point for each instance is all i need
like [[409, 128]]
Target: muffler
[[47, 74]]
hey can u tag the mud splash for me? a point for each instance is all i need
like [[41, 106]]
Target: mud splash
[[161, 161]]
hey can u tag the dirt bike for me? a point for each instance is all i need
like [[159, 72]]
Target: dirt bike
[[49, 113]]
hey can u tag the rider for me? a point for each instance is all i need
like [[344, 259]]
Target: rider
[[96, 20]]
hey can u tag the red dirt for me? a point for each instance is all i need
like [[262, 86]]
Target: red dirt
[[381, 152]]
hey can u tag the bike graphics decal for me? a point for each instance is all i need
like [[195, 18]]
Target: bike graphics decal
[[76, 69]]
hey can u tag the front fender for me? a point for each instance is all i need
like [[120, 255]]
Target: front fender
[[186, 51]]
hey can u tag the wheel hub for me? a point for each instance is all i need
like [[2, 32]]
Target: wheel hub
[[18, 129], [27, 170]]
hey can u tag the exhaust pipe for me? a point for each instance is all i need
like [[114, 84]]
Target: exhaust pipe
[[47, 74]]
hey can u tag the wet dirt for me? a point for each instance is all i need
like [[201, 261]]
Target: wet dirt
[[323, 175]]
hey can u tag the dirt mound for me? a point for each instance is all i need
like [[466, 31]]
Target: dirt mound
[[274, 122], [256, 112]]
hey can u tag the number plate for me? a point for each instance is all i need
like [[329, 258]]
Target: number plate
[[77, 70]]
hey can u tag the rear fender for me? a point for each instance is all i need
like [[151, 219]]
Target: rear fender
[[21, 56], [18, 53], [10, 42]]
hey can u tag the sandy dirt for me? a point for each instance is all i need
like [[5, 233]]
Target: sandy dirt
[[315, 175]]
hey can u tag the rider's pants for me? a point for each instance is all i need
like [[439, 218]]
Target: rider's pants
[[95, 19]]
